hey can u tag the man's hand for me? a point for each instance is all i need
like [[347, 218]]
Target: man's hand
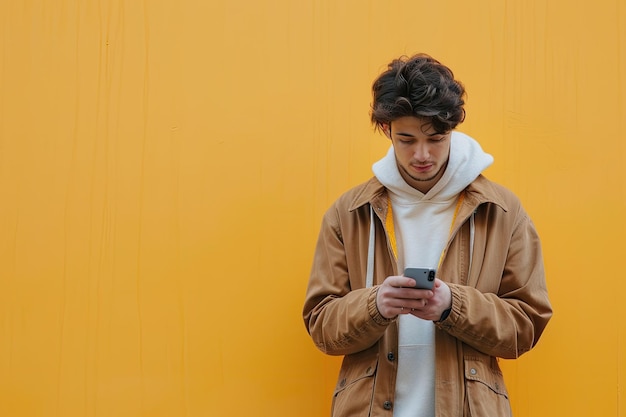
[[396, 295]]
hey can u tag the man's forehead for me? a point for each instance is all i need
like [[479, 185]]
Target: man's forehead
[[408, 124]]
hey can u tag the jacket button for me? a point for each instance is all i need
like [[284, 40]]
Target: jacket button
[[387, 405], [473, 371], [369, 369], [391, 356]]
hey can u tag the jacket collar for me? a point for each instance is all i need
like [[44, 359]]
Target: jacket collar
[[370, 191], [480, 191]]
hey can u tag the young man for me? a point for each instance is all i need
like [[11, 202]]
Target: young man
[[425, 352]]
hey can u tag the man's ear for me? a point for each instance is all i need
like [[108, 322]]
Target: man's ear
[[386, 128]]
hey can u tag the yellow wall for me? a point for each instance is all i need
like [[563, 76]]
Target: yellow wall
[[164, 166]]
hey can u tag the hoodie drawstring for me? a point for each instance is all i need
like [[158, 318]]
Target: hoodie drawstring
[[471, 248], [369, 275]]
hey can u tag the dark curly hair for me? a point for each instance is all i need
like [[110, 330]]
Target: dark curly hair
[[418, 86]]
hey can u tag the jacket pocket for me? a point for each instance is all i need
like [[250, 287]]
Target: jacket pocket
[[355, 385], [484, 385]]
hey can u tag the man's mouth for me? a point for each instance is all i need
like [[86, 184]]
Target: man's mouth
[[422, 168]]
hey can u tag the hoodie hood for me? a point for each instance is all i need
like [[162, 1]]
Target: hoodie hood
[[466, 162]]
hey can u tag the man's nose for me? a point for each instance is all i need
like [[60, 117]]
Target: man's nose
[[421, 152]]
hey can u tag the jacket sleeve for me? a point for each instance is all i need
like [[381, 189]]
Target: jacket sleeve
[[509, 321], [339, 313]]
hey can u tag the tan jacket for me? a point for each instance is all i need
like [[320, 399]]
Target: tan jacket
[[500, 305]]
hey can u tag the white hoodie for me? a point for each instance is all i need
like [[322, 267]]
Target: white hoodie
[[422, 224]]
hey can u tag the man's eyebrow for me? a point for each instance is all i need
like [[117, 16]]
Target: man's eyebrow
[[427, 134]]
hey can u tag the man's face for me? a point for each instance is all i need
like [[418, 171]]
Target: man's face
[[421, 153]]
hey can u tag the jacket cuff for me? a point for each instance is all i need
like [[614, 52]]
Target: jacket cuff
[[373, 309], [451, 318]]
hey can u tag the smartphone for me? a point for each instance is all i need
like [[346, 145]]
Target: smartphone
[[424, 277]]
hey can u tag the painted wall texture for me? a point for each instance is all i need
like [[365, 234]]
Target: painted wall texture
[[164, 166]]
